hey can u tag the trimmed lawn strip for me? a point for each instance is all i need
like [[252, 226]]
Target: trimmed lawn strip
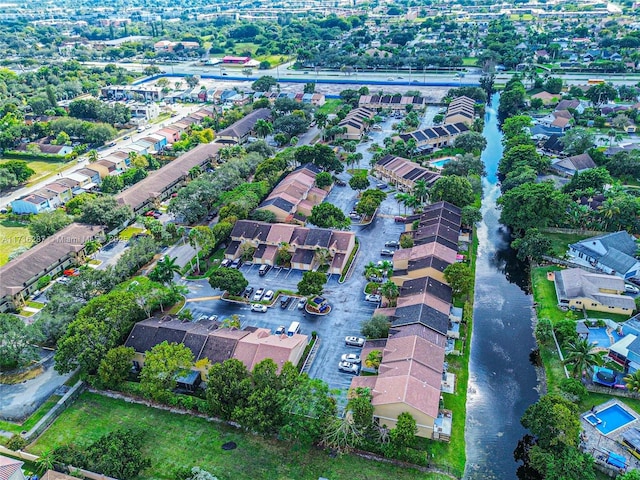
[[454, 452], [174, 441], [129, 232], [31, 421]]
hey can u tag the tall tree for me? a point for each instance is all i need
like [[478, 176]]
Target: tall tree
[[162, 364]]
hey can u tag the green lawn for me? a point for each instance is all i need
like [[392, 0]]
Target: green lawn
[[560, 242], [544, 294], [174, 441], [469, 61], [129, 232], [13, 235], [330, 106], [45, 169]]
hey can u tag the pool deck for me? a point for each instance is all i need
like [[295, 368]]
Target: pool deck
[[594, 442]]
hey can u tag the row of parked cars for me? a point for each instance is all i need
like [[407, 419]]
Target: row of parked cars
[[350, 362]]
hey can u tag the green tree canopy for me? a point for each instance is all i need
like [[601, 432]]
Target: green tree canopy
[[46, 224], [115, 366], [533, 205], [459, 277], [16, 344], [376, 327], [470, 142], [162, 364], [453, 189], [327, 215], [312, 283], [229, 279]]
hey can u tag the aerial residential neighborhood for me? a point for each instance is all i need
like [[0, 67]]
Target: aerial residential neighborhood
[[320, 240]]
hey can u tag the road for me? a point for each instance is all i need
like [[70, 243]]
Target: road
[[284, 74], [182, 111]]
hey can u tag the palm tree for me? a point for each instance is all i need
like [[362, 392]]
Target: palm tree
[[390, 291], [165, 268], [608, 210], [322, 257], [401, 198], [582, 357], [92, 246], [92, 155], [263, 128], [374, 359], [421, 191], [633, 381], [371, 269]]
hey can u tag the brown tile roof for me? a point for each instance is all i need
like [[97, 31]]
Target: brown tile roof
[[262, 344], [158, 181], [426, 250], [15, 274]]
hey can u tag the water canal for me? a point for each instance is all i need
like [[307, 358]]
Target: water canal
[[502, 381]]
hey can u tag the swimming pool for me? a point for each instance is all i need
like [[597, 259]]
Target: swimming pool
[[440, 163], [609, 419]]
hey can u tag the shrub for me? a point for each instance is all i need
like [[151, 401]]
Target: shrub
[[573, 390], [16, 442]]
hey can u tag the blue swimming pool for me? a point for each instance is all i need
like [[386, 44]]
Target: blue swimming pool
[[609, 419], [440, 163]]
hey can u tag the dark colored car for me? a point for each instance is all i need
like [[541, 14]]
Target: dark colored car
[[285, 301], [247, 292]]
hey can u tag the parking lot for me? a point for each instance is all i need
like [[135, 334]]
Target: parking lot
[[349, 307]]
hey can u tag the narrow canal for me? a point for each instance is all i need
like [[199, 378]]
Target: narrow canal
[[502, 381]]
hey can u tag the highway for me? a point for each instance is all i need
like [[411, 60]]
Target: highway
[[421, 78]]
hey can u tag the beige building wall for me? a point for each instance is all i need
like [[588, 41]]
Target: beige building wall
[[590, 304], [388, 415]]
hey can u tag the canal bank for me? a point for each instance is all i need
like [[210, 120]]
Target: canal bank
[[502, 381]]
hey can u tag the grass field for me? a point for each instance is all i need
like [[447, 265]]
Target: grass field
[[560, 242], [174, 441], [330, 106], [12, 235], [469, 61], [45, 169]]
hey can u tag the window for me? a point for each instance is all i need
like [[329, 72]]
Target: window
[[578, 303], [594, 304]]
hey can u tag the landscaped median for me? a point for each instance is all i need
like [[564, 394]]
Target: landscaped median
[[174, 441]]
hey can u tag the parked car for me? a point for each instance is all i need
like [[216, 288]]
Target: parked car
[[268, 296], [630, 288], [264, 269], [281, 330], [348, 367], [354, 341], [351, 358], [399, 219], [247, 292], [375, 278], [285, 301], [340, 183], [237, 263], [301, 303], [371, 297], [634, 280], [392, 244], [386, 252], [256, 307], [213, 318], [258, 295], [381, 186], [226, 262]]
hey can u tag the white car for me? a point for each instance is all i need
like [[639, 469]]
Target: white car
[[256, 307], [301, 303], [348, 367], [351, 358], [371, 297], [258, 295], [268, 296], [630, 288], [354, 341]]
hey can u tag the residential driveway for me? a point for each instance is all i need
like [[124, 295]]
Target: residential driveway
[[349, 308], [19, 401]]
